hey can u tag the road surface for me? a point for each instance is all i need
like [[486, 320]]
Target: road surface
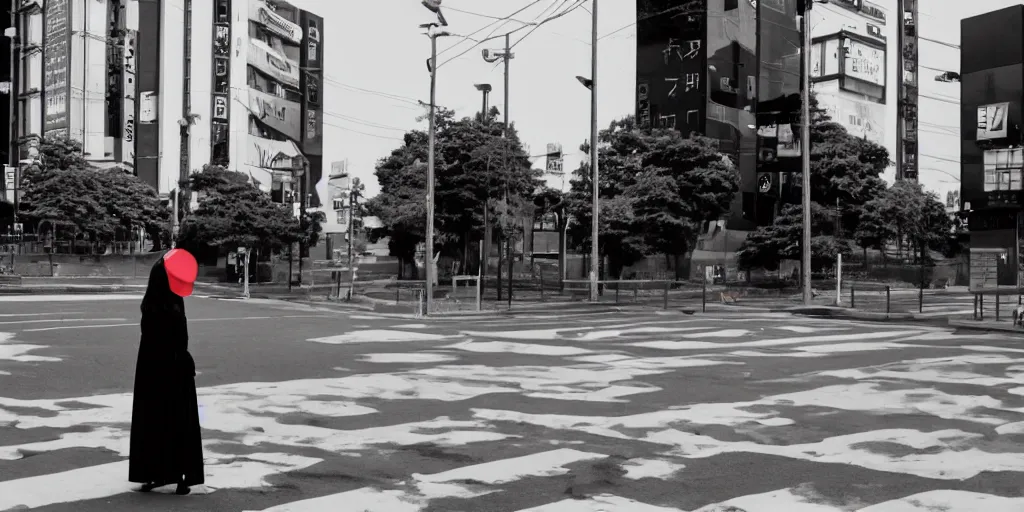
[[307, 409]]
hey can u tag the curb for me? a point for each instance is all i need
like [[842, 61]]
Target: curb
[[975, 325], [839, 313]]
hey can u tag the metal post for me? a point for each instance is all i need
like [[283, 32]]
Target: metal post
[[351, 242], [888, 301], [479, 280], [542, 284], [245, 275], [839, 279], [594, 256], [667, 286], [997, 305], [428, 250], [805, 149], [291, 258], [302, 212], [704, 291], [853, 296], [920, 298]]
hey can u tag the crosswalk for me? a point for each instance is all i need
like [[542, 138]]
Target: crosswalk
[[564, 413]]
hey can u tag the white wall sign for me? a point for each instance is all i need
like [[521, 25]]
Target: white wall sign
[[865, 63], [992, 121]]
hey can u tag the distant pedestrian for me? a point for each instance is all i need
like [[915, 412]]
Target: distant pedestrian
[[166, 443]]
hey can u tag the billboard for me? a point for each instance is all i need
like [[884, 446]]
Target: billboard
[[311, 56], [261, 13], [864, 62], [276, 112], [129, 87], [992, 121], [219, 105], [56, 68], [862, 119], [672, 66], [553, 164]]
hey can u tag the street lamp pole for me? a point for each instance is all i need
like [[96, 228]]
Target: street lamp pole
[[805, 143], [593, 154]]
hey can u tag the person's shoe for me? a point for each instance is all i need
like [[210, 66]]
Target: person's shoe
[[182, 490]]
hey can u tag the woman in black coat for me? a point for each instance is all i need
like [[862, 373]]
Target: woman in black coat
[[166, 444]]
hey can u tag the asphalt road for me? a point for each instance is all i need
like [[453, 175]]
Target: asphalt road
[[319, 409]]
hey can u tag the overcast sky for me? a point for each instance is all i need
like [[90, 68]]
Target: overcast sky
[[375, 72]]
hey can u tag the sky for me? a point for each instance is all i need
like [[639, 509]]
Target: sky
[[376, 72]]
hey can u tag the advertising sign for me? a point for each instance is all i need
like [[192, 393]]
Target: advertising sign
[[339, 169], [127, 150], [992, 121], [269, 61], [220, 109], [276, 112], [671, 71], [311, 60], [862, 119], [865, 62], [261, 13], [554, 159], [57, 49]]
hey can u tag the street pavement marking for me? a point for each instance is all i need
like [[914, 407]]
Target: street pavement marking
[[71, 297], [62, 320], [246, 414], [191, 320], [93, 482], [447, 484], [5, 315]]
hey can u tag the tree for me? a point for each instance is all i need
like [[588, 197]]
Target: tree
[[769, 245], [474, 167], [235, 213], [656, 188], [845, 178], [63, 186]]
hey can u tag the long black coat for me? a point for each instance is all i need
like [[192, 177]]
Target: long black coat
[[166, 444]]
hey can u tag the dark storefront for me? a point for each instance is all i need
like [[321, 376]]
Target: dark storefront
[[729, 69], [992, 192]]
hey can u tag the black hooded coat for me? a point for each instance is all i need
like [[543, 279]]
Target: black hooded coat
[[166, 443]]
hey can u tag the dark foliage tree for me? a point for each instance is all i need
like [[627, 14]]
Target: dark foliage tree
[[63, 187], [233, 213], [656, 187]]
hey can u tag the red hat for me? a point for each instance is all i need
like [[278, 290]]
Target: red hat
[[182, 270]]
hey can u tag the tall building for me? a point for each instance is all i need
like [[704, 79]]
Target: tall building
[[235, 83], [731, 69], [992, 161], [855, 68], [73, 75]]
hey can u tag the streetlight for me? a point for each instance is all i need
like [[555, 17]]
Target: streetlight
[[591, 83], [428, 250], [486, 90]]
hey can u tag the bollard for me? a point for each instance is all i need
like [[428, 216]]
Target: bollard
[[997, 306], [888, 301], [853, 297], [617, 291], [704, 293], [920, 299], [666, 294], [398, 297], [981, 306], [542, 284]]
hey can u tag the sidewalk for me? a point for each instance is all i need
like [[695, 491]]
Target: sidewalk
[[986, 325]]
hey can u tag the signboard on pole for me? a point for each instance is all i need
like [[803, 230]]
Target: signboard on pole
[[554, 158], [9, 176]]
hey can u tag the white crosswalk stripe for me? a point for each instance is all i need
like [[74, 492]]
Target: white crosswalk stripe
[[552, 415]]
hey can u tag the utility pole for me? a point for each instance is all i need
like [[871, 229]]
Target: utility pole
[[593, 156], [486, 241], [508, 236], [805, 151], [428, 249], [351, 239]]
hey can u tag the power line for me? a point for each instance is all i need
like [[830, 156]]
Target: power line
[[500, 21], [650, 16], [363, 133], [941, 158], [491, 37], [943, 43], [553, 17]]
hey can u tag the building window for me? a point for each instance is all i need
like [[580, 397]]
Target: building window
[[1004, 169]]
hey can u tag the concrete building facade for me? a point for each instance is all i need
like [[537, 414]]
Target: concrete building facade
[[74, 76], [992, 158], [235, 83]]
